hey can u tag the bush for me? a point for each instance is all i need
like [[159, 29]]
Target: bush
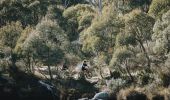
[[158, 97], [144, 78], [115, 74], [158, 7], [165, 77], [112, 96], [115, 84], [132, 94]]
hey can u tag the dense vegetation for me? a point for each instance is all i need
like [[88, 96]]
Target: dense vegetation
[[128, 38]]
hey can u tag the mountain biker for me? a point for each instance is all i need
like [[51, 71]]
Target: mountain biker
[[84, 66], [85, 69]]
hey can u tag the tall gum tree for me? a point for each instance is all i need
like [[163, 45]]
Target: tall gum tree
[[46, 43], [139, 31]]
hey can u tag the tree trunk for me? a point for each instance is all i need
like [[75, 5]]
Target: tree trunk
[[91, 2], [120, 69], [144, 51], [66, 3], [13, 70], [49, 69], [28, 62], [100, 6], [100, 71], [128, 71]]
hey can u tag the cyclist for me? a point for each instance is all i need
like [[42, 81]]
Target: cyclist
[[86, 72], [84, 66]]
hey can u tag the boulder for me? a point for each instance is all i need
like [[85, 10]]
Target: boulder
[[101, 96], [83, 99]]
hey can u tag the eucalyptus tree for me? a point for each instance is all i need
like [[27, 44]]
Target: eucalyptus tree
[[99, 39], [96, 3], [161, 37], [46, 43], [122, 57], [8, 11], [9, 35], [137, 32], [27, 58], [28, 11], [79, 17], [38, 9], [100, 36], [158, 7], [68, 3]]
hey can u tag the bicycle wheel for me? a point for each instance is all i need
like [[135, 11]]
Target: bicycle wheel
[[88, 74]]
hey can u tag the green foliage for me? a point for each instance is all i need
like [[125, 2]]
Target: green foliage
[[54, 12], [165, 79], [46, 42], [125, 6], [167, 62], [120, 56], [134, 25], [121, 35], [76, 12], [125, 39], [161, 35], [28, 11], [145, 78], [100, 36], [85, 21], [24, 35], [158, 7], [115, 84], [79, 18], [68, 3], [115, 74], [10, 33]]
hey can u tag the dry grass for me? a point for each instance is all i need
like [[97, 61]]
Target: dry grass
[[133, 93]]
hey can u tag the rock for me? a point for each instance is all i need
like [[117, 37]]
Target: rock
[[8, 89], [49, 87], [77, 89], [27, 89], [83, 99], [101, 96]]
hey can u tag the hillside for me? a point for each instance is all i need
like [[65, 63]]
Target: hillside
[[124, 43]]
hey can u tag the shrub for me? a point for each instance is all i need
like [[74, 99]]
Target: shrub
[[158, 97], [165, 77], [132, 94], [144, 78], [158, 7], [115, 74], [115, 84]]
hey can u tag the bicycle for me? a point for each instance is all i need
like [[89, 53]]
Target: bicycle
[[87, 74]]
